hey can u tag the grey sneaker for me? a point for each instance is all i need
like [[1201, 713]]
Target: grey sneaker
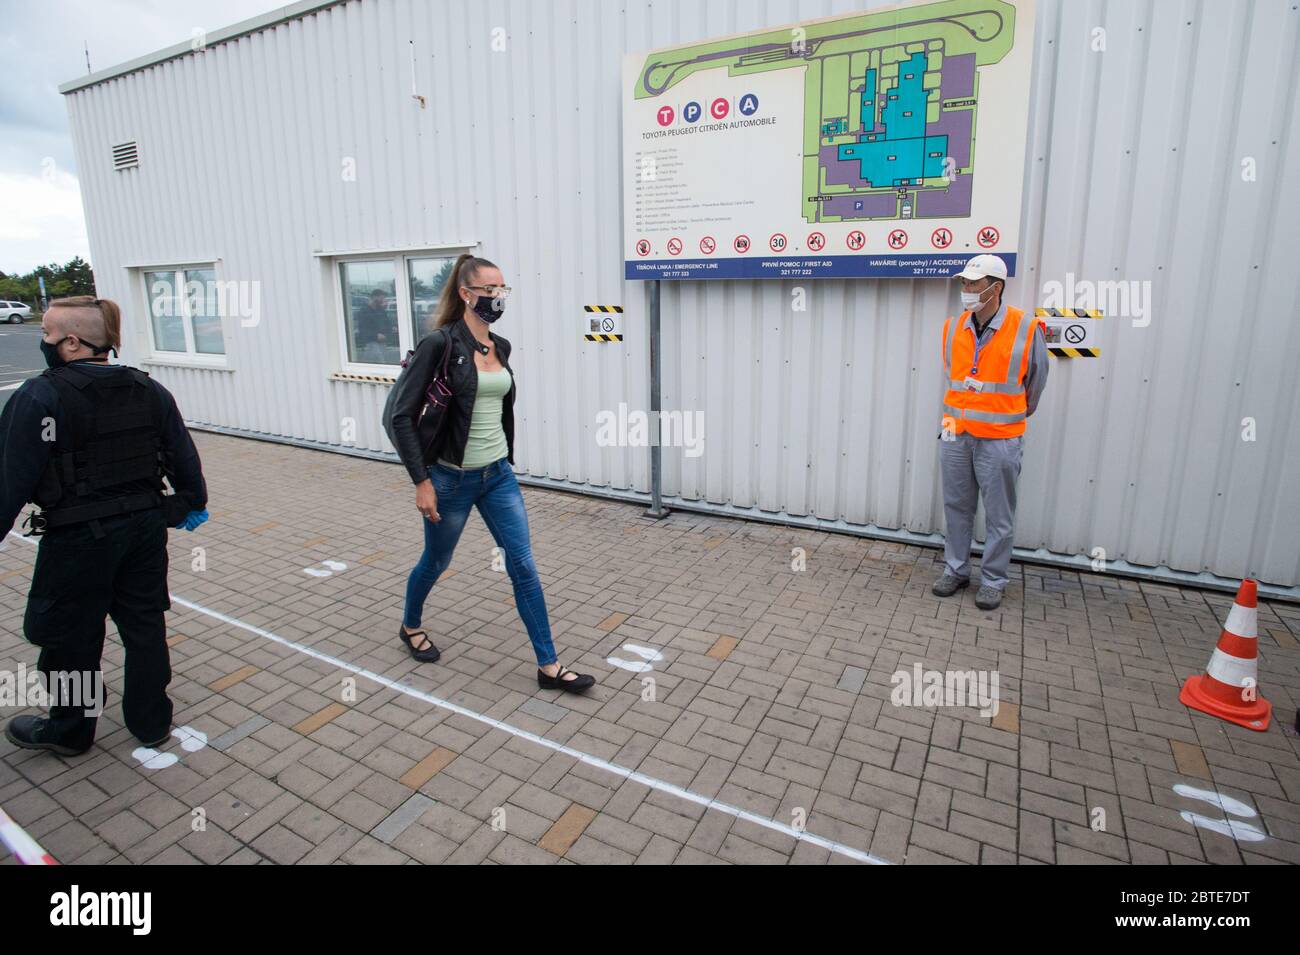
[[949, 584], [988, 598]]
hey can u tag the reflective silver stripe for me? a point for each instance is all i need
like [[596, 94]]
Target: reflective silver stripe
[[1002, 388], [990, 387], [992, 417], [954, 325], [1018, 351]]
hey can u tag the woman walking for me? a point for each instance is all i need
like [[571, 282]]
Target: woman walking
[[459, 456]]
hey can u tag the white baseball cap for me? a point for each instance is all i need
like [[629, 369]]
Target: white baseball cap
[[984, 266]]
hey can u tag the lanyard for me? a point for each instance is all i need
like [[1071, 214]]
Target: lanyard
[[975, 367]]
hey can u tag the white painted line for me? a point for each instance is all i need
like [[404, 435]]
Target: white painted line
[[638, 777], [650, 781], [16, 384]]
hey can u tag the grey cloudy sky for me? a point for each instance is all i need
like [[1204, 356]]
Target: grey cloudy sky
[[43, 44]]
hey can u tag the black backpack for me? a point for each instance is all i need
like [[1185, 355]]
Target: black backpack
[[437, 390]]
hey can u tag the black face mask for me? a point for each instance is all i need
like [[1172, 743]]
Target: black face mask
[[489, 309], [54, 360], [51, 352]]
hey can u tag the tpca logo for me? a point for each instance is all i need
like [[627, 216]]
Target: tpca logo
[[719, 108], [103, 908]]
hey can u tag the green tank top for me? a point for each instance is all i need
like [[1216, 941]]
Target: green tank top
[[487, 439]]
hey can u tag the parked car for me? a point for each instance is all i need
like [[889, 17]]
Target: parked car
[[15, 313]]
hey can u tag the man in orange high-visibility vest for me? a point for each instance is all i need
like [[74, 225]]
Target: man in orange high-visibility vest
[[995, 369]]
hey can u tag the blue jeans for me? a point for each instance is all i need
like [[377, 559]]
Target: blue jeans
[[496, 493]]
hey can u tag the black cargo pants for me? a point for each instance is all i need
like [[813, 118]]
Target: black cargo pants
[[78, 580]]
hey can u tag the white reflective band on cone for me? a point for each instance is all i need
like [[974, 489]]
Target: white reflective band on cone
[[1233, 671], [25, 849], [1243, 621]]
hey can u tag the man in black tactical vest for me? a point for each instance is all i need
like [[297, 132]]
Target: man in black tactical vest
[[90, 442]]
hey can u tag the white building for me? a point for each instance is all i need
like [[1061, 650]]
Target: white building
[[289, 156]]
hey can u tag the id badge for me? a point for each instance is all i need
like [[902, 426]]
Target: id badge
[[974, 384]]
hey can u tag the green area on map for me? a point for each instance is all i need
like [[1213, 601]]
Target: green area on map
[[890, 102]]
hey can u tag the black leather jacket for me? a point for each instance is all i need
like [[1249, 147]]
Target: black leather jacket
[[415, 443]]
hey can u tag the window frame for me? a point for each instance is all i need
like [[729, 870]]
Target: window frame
[[406, 330], [190, 356]]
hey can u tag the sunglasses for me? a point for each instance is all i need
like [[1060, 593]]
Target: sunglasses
[[496, 291]]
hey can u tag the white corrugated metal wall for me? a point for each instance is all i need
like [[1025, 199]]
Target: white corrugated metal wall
[[1133, 173]]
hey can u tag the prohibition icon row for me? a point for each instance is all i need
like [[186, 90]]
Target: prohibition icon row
[[941, 238]]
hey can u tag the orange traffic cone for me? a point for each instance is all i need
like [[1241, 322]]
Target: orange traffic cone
[[1229, 689]]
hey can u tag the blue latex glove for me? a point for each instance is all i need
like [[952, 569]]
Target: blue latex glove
[[193, 519]]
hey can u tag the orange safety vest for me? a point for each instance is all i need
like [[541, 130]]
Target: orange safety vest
[[997, 409]]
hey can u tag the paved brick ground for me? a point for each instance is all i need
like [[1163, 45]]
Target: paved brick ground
[[773, 696]]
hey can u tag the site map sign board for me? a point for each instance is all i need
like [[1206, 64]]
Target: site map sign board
[[883, 144]]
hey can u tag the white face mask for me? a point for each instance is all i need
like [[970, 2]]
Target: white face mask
[[972, 301]]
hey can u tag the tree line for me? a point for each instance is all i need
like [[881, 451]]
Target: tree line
[[73, 278]]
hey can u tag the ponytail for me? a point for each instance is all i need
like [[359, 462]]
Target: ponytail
[[112, 323], [451, 307]]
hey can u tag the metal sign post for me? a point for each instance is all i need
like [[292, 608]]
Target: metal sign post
[[657, 508]]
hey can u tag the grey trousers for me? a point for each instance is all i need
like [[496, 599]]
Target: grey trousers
[[973, 466]]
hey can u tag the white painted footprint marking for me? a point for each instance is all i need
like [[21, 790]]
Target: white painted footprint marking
[[1232, 828], [150, 758], [645, 653], [192, 740], [1226, 803]]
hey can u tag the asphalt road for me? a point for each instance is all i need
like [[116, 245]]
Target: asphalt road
[[20, 356]]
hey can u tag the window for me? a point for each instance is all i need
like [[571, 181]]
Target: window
[[389, 304], [427, 276], [370, 312], [185, 309]]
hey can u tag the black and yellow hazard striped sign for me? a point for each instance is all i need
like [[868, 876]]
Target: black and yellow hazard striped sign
[[1065, 351], [1068, 313], [603, 336]]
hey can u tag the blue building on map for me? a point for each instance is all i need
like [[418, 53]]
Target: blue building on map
[[902, 154]]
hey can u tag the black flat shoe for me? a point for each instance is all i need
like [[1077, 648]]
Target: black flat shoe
[[429, 654], [27, 732], [558, 682]]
